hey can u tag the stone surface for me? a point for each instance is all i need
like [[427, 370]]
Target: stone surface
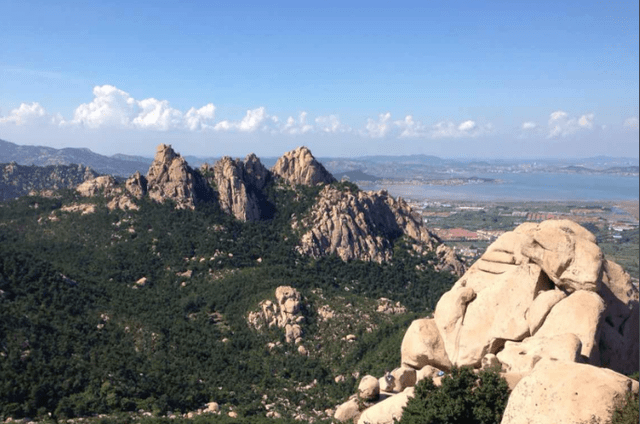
[[388, 410], [426, 372], [136, 185], [422, 346], [541, 307], [98, 185], [299, 167], [347, 411], [283, 313], [495, 314], [239, 186], [403, 377], [369, 388], [563, 392], [362, 225], [580, 314], [521, 357], [170, 178]]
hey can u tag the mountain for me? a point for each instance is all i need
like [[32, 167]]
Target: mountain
[[119, 165]]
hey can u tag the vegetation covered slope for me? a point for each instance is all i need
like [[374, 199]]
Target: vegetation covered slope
[[121, 311]]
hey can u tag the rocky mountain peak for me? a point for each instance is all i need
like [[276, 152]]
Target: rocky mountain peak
[[299, 167], [169, 177]]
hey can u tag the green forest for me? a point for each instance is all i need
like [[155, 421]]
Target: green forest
[[79, 337]]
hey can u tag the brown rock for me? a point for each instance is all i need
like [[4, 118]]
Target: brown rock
[[403, 378], [496, 314], [299, 167], [522, 357], [98, 185], [422, 346], [136, 185], [347, 411], [563, 392], [427, 372], [170, 178], [388, 410], [541, 307], [580, 314], [369, 388]]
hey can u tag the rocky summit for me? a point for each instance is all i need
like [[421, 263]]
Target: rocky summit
[[299, 167], [363, 225], [542, 305], [170, 177]]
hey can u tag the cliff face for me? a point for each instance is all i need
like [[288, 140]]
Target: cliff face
[[363, 225], [299, 167], [170, 177], [239, 185]]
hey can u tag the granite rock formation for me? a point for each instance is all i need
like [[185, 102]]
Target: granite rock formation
[[299, 167]]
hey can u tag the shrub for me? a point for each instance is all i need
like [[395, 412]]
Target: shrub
[[463, 397]]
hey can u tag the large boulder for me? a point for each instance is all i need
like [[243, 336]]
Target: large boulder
[[522, 357], [388, 410], [369, 388], [422, 346], [580, 314], [541, 307], [347, 411], [562, 392], [497, 313], [566, 251]]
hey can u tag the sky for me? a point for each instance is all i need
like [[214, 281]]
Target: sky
[[456, 79]]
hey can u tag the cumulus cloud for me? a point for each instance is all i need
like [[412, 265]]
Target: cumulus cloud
[[561, 125], [467, 129], [112, 107], [331, 124], [410, 128], [529, 125], [631, 123], [250, 123], [30, 114], [379, 128], [297, 126]]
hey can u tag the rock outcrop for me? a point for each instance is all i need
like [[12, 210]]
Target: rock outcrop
[[299, 167], [363, 225], [565, 392], [103, 184], [170, 178], [239, 185], [543, 306], [283, 313]]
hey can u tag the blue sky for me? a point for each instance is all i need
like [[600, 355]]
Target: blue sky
[[454, 79]]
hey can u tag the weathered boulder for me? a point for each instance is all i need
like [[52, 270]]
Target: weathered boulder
[[98, 185], [170, 178], [497, 313], [422, 346], [580, 314], [521, 357], [283, 313], [619, 328], [426, 372], [490, 361], [136, 185], [541, 307], [347, 411], [369, 388], [564, 392], [388, 410], [403, 378], [299, 167], [566, 251]]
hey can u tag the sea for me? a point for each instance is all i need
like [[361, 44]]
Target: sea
[[513, 187]]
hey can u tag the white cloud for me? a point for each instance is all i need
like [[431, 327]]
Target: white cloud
[[299, 126], [380, 128], [561, 125], [410, 128], [249, 123], [467, 129], [331, 124], [529, 125], [196, 119], [112, 107], [467, 126], [30, 114], [631, 123]]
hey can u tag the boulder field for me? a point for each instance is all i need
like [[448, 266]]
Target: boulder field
[[544, 307]]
